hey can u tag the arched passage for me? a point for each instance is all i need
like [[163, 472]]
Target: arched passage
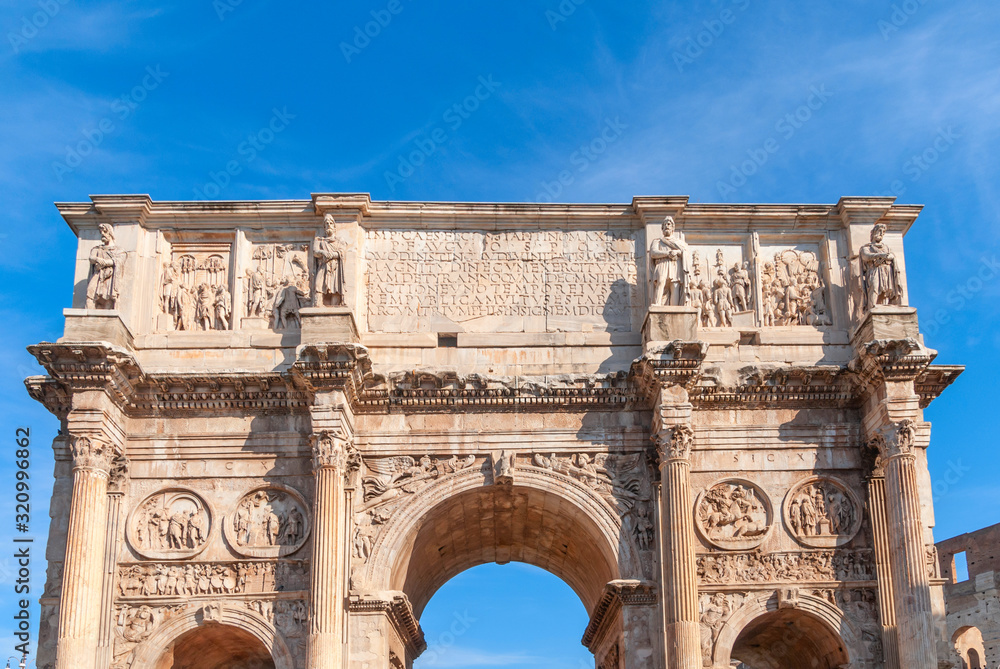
[[789, 639], [968, 643], [559, 526], [216, 647]]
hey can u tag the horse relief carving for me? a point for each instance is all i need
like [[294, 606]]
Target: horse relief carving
[[733, 514]]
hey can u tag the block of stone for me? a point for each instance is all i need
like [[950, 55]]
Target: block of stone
[[328, 324], [670, 324], [96, 325], [888, 322]]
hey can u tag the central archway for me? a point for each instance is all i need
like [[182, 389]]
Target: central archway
[[216, 647], [789, 639]]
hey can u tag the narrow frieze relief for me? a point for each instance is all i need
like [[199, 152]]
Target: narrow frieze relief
[[761, 567], [170, 524], [195, 579], [822, 512], [733, 514], [268, 522]]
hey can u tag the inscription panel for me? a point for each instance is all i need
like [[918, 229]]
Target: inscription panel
[[501, 281]]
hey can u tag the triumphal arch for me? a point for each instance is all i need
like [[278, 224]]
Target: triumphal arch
[[285, 424]]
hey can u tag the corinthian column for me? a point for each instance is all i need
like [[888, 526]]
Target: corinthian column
[[910, 581], [880, 529], [83, 577], [328, 585], [683, 633]]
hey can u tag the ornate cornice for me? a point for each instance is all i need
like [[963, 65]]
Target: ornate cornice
[[400, 614], [223, 392], [890, 360], [617, 594], [933, 381], [87, 366], [320, 367], [676, 363], [792, 387]]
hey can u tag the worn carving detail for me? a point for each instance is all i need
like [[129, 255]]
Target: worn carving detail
[[170, 524], [822, 513], [674, 444], [210, 578], [277, 285], [118, 477], [880, 274], [793, 291], [133, 625], [91, 453], [733, 514], [107, 263], [328, 252], [268, 522], [668, 256], [860, 605], [760, 567], [392, 476], [715, 609], [612, 659], [194, 290], [905, 438]]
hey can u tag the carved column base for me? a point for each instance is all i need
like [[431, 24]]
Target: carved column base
[[684, 645]]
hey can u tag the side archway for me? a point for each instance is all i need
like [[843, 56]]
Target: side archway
[[456, 524], [968, 643], [763, 635], [219, 632]]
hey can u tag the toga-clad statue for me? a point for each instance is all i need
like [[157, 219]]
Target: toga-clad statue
[[106, 264], [329, 289], [668, 256], [880, 273]]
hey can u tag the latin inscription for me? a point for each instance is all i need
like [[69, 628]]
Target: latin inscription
[[545, 280]]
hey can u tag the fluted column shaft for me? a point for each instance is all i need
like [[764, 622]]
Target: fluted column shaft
[[910, 582], [677, 547], [887, 612], [83, 577], [328, 589]]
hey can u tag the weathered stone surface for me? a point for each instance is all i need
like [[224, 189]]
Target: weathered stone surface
[[289, 423]]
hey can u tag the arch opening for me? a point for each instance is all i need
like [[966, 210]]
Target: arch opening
[[505, 524], [215, 646], [968, 643], [504, 615], [789, 639]]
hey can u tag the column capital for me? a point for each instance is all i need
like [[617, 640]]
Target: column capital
[[674, 443], [91, 453], [895, 440], [332, 449]]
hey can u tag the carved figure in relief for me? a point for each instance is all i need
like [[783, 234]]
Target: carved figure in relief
[[171, 521], [792, 290], [821, 509], [402, 473], [256, 292], [713, 615], [327, 252], [168, 289], [287, 302], [731, 512], [880, 273], [185, 309], [223, 307], [643, 527], [722, 301], [740, 280], [668, 257], [107, 262], [268, 518], [205, 307]]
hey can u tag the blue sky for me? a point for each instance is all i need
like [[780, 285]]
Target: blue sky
[[260, 99]]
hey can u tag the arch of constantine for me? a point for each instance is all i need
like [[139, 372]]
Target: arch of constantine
[[286, 424]]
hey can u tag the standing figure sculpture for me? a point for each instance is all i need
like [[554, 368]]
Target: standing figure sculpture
[[880, 273], [326, 250], [106, 264], [667, 254]]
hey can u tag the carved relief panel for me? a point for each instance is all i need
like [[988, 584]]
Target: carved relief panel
[[268, 522], [170, 524], [733, 514], [720, 286], [822, 512], [276, 286], [793, 286], [195, 289]]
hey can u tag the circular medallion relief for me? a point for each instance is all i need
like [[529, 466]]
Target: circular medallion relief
[[268, 522], [822, 512], [733, 514], [171, 524]]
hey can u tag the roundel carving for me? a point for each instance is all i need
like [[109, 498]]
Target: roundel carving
[[733, 514], [268, 522], [171, 524], [822, 512]]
